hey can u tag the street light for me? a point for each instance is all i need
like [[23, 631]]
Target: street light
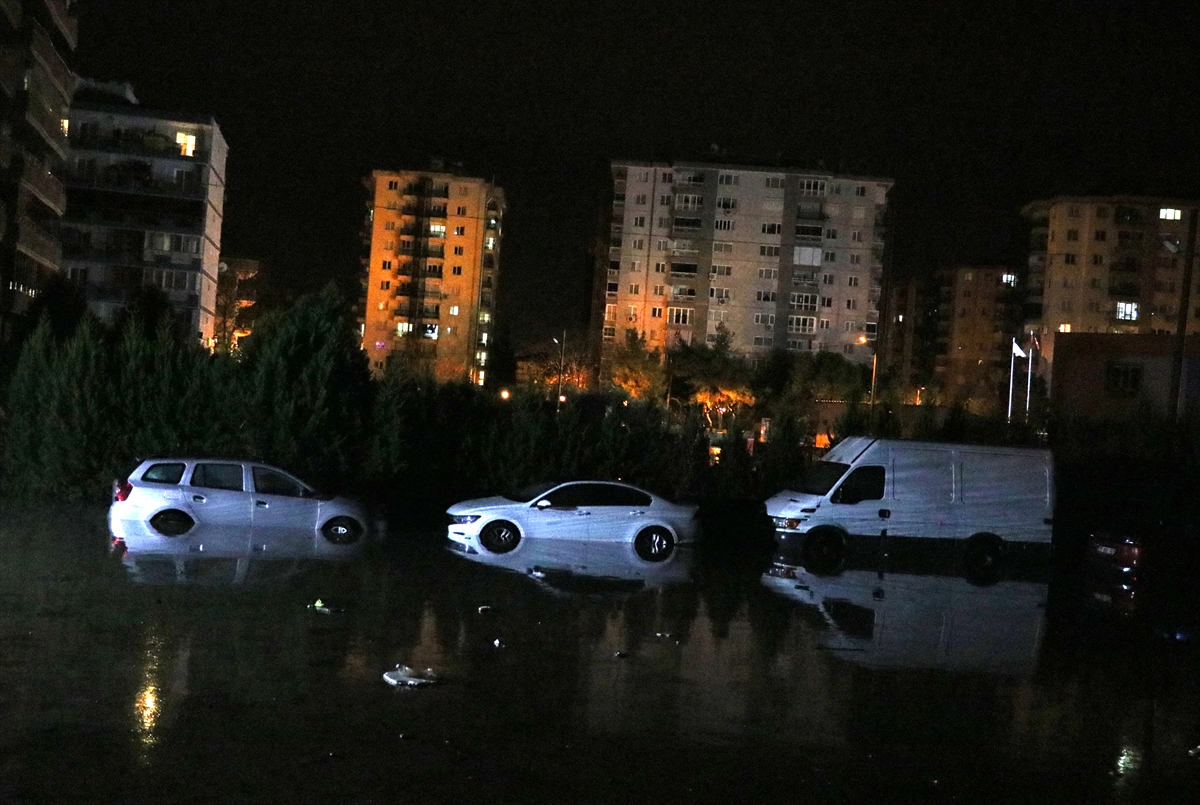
[[562, 354], [1189, 255], [862, 339]]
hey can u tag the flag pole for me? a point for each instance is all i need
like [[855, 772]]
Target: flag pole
[[1012, 363], [1029, 374]]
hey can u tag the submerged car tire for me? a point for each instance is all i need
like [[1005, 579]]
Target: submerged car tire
[[824, 551], [172, 522], [499, 536], [654, 544], [983, 559], [342, 530]]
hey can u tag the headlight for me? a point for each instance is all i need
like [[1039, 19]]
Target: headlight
[[788, 522], [463, 519]]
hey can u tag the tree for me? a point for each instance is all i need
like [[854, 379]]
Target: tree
[[636, 370], [714, 377]]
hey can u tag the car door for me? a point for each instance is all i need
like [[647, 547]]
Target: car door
[[562, 513], [858, 502], [618, 513], [285, 513], [217, 494]]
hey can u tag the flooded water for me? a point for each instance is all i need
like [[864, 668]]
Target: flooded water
[[567, 673]]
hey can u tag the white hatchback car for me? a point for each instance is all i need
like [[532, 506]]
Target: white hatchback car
[[164, 498], [595, 511]]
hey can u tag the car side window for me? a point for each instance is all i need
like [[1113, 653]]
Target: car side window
[[567, 497], [270, 482], [614, 495], [171, 473], [218, 476], [864, 483]]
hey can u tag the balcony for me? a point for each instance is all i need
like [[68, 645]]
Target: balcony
[[64, 21], [57, 70], [405, 290], [12, 10], [132, 176], [148, 142], [40, 115], [43, 184], [12, 70], [810, 212], [38, 243]]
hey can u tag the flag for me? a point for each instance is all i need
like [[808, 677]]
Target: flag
[[1033, 342], [1017, 351]]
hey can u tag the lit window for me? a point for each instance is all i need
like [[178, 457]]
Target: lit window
[[1064, 328], [1009, 279], [454, 310], [1170, 214], [1127, 311], [186, 143]]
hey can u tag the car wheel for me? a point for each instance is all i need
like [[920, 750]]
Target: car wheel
[[172, 522], [824, 551], [983, 558], [654, 544], [499, 536], [342, 530]]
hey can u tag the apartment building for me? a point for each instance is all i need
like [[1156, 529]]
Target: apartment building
[[35, 88], [1111, 264], [432, 272], [145, 204], [782, 258], [978, 316]]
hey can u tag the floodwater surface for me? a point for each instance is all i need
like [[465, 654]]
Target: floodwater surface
[[566, 672]]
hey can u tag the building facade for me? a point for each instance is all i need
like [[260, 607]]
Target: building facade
[[780, 257], [1112, 264], [145, 204], [432, 272], [35, 88]]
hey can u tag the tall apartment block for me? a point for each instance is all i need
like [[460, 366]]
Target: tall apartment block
[[35, 88], [145, 203], [1111, 264], [432, 272], [782, 258], [979, 311]]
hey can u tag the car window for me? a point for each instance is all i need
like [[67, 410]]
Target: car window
[[864, 483], [271, 482], [568, 496], [171, 473], [614, 495], [218, 476]]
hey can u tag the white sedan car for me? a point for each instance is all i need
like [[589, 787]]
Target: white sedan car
[[165, 499], [593, 511]]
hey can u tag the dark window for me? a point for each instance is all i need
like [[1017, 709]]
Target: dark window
[[820, 477], [218, 476], [270, 482], [864, 483], [163, 473], [1122, 379], [613, 495], [568, 497]]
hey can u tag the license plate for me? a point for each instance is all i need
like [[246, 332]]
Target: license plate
[[1105, 550]]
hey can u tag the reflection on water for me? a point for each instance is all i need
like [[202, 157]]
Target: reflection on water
[[553, 646]]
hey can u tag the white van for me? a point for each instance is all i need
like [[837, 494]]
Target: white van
[[982, 499]]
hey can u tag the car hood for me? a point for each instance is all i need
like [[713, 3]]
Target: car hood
[[789, 504], [476, 505]]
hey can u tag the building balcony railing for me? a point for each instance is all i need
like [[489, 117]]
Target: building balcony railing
[[12, 70], [45, 121], [405, 290], [45, 185], [148, 143], [427, 189], [66, 23], [811, 214], [38, 242], [58, 71], [12, 9], [136, 178]]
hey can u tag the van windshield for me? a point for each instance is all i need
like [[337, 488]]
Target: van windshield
[[819, 478]]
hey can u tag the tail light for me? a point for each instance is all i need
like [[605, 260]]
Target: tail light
[[121, 490], [117, 548]]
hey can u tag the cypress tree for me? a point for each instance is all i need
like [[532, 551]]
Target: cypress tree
[[27, 395]]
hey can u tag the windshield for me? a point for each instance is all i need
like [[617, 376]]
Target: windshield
[[528, 493], [819, 478]]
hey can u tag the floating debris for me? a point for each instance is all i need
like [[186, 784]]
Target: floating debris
[[324, 608], [484, 609], [620, 655], [405, 677], [498, 643], [663, 635]]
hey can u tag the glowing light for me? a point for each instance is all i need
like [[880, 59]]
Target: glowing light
[[504, 395], [562, 398]]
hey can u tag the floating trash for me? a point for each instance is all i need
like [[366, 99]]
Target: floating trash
[[498, 643], [324, 608], [663, 635], [405, 677], [484, 609]]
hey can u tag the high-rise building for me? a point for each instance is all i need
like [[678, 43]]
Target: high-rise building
[[1111, 264], [35, 88], [979, 310], [145, 203], [432, 272], [782, 258]]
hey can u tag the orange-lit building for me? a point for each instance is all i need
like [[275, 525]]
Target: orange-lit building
[[432, 272]]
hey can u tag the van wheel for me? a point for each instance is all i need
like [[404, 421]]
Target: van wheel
[[824, 551], [983, 558]]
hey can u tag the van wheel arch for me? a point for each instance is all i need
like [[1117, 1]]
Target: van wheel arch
[[983, 559], [824, 551]]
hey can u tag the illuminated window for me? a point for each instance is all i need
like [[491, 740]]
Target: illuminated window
[[1064, 328], [186, 143], [481, 357], [404, 328], [484, 317], [1170, 214], [437, 230], [1009, 279], [454, 310], [1127, 311], [489, 242]]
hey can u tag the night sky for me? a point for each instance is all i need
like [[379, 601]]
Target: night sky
[[974, 108]]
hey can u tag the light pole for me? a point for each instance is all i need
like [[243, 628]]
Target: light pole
[[1177, 356], [562, 354], [862, 339]]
